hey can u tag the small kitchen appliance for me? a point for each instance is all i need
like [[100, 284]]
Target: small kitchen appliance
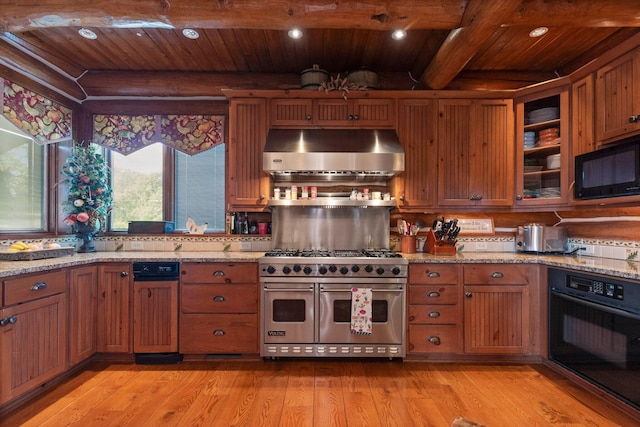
[[540, 238]]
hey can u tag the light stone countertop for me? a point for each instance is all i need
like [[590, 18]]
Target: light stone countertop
[[606, 266]]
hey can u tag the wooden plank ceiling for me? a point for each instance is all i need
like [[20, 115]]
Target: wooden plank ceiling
[[140, 50]]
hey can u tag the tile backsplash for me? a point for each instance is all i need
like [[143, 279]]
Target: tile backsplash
[[615, 249]]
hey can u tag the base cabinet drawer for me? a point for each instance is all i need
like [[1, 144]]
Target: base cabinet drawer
[[219, 298], [218, 333], [426, 294], [434, 314], [434, 339]]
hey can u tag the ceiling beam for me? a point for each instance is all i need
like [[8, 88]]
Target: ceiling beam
[[481, 20], [26, 15], [24, 64], [258, 14]]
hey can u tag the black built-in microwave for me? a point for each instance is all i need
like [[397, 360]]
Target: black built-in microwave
[[609, 172]]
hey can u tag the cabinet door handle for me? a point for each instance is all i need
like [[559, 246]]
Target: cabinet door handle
[[218, 273], [124, 274], [634, 119], [38, 286], [8, 320], [433, 294], [218, 332], [433, 274], [308, 117], [434, 340], [434, 314], [219, 298], [468, 294], [497, 275]]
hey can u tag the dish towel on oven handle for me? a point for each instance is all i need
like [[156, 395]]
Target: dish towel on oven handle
[[361, 320]]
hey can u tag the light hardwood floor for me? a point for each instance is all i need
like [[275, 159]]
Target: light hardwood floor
[[318, 392]]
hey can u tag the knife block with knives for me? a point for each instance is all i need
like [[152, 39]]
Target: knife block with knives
[[442, 238]]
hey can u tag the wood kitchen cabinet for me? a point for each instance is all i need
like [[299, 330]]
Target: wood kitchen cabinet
[[497, 309], [415, 188], [582, 118], [247, 183], [83, 308], [618, 98], [155, 316], [435, 310], [219, 308], [114, 308], [475, 152], [33, 332], [540, 182], [333, 111]]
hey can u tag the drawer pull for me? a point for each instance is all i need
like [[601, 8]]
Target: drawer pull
[[434, 340], [434, 314], [218, 273], [433, 294], [38, 286], [8, 320], [497, 275], [433, 274], [218, 332], [219, 298]]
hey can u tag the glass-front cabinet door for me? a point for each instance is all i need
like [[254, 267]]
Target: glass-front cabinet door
[[542, 154]]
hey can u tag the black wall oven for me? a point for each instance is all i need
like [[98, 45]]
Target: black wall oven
[[594, 330]]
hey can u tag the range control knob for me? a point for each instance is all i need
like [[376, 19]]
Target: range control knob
[[286, 270], [355, 268], [380, 270], [297, 268], [271, 269], [333, 268], [368, 268], [344, 270], [322, 269], [395, 270], [307, 270]]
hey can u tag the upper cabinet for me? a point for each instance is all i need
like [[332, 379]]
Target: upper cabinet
[[247, 183], [333, 112], [618, 98], [582, 116], [542, 154], [415, 188], [475, 152]]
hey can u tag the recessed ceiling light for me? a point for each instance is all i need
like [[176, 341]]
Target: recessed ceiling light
[[190, 34], [537, 32], [87, 34], [295, 33], [399, 34]]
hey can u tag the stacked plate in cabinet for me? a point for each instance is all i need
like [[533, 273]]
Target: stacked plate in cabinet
[[544, 115], [529, 139], [549, 136]]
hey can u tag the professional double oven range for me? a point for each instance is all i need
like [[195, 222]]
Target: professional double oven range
[[307, 303]]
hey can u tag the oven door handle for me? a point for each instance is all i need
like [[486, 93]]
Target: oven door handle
[[289, 289], [596, 306], [349, 290]]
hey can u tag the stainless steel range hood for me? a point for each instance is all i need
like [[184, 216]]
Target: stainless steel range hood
[[345, 156]]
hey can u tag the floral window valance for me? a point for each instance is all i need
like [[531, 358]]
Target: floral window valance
[[190, 134], [39, 118]]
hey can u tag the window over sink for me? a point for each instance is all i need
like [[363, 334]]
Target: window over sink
[[194, 186]]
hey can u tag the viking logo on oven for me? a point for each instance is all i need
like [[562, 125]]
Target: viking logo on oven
[[276, 333]]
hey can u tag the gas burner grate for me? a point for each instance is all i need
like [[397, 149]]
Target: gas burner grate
[[282, 252], [380, 253]]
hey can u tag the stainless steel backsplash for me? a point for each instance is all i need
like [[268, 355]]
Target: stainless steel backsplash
[[305, 227]]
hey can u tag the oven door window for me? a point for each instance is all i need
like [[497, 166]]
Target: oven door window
[[289, 310], [342, 311]]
